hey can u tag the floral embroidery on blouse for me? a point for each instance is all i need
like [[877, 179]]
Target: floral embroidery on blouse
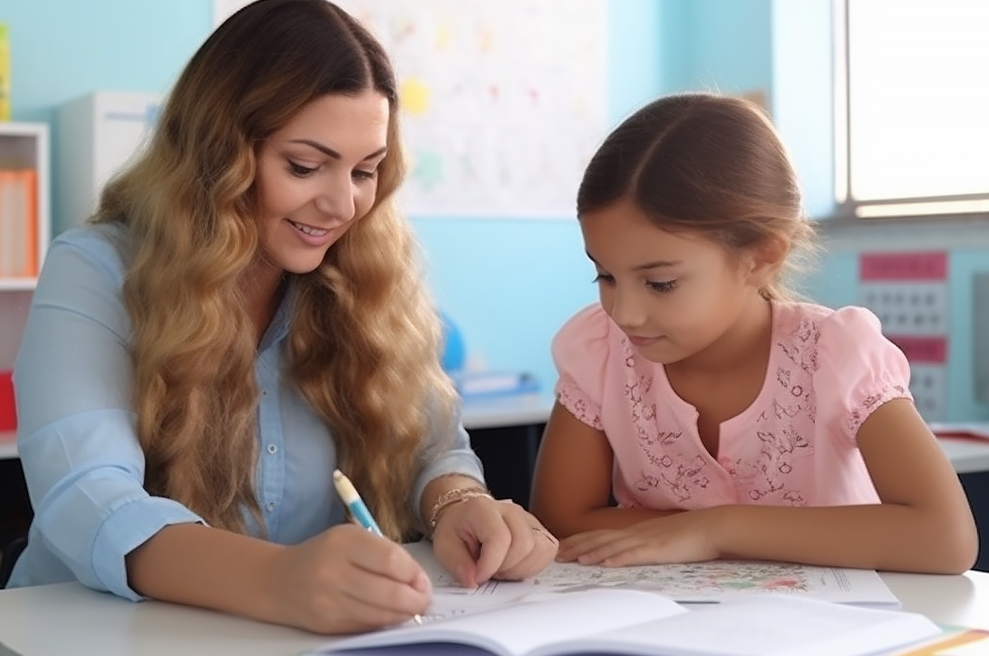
[[858, 416], [679, 474], [803, 351], [573, 399]]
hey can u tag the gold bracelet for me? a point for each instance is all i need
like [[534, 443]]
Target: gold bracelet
[[452, 497]]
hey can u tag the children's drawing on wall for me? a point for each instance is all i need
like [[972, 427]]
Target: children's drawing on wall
[[503, 102], [909, 294]]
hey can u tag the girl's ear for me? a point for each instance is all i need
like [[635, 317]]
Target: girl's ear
[[765, 260]]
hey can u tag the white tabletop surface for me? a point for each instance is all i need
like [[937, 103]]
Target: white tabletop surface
[[967, 455], [508, 411], [68, 619]]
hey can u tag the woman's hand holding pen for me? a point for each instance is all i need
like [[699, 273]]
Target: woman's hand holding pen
[[346, 580], [480, 539]]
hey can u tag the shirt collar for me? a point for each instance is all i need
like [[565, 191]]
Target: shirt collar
[[282, 320]]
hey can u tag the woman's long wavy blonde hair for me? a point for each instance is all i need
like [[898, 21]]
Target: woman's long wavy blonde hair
[[364, 338]]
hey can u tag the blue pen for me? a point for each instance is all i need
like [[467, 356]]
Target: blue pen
[[358, 510]]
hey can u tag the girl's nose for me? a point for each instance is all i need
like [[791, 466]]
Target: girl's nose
[[626, 309]]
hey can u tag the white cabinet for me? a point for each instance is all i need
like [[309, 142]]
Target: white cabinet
[[97, 135]]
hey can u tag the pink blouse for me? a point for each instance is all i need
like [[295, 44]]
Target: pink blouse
[[794, 446]]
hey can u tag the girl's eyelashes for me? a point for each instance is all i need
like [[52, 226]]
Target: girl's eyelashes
[[659, 286], [664, 286], [360, 174]]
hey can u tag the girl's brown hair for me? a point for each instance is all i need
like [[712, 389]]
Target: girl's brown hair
[[364, 338], [707, 164]]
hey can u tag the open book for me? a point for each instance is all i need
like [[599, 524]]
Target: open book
[[686, 583], [639, 623]]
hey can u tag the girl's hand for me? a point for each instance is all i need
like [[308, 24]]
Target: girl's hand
[[346, 580], [680, 538], [480, 539]]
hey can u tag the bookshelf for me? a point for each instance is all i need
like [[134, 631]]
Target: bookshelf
[[24, 146]]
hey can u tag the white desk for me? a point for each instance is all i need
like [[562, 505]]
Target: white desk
[[967, 455], [68, 619], [507, 412]]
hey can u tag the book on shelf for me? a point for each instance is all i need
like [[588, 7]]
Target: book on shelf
[[18, 223], [638, 623], [8, 411], [5, 72], [972, 430]]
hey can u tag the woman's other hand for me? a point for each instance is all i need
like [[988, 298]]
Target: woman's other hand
[[480, 539]]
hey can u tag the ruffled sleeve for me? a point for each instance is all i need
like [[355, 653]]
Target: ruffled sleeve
[[580, 352], [858, 370]]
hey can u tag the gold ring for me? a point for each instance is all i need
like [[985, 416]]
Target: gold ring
[[544, 533]]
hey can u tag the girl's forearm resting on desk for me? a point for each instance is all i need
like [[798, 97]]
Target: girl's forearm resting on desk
[[608, 517], [923, 523], [886, 537]]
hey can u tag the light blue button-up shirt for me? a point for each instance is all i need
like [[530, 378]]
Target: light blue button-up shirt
[[79, 448]]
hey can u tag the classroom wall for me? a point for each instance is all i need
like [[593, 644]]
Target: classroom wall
[[509, 284], [717, 45]]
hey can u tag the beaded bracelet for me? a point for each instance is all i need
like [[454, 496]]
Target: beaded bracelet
[[452, 497]]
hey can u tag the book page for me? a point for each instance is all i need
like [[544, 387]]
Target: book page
[[764, 625], [520, 628], [705, 582]]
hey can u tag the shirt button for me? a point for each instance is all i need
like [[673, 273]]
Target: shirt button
[[272, 449], [271, 506], [264, 392]]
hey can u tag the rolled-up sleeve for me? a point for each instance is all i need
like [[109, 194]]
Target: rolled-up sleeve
[[447, 450], [76, 425]]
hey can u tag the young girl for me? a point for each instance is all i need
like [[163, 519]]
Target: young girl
[[725, 419], [245, 315]]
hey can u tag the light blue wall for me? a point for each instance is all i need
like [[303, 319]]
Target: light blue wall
[[717, 45], [508, 284], [62, 49]]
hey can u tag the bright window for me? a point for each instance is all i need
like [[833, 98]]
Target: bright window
[[914, 108]]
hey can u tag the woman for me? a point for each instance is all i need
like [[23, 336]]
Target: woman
[[244, 316]]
